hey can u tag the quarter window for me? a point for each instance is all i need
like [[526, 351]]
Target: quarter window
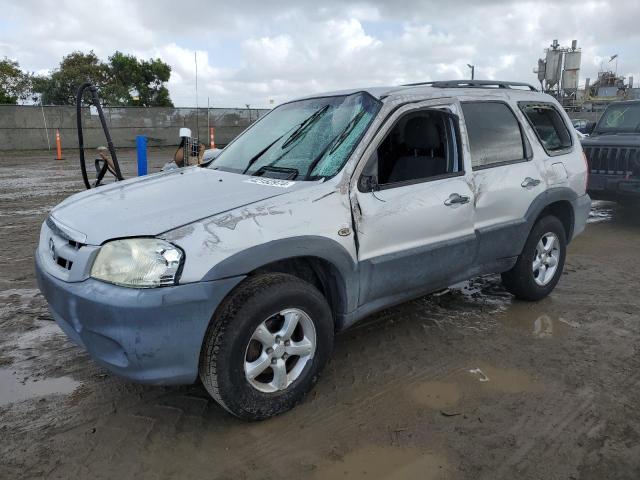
[[494, 134], [548, 125]]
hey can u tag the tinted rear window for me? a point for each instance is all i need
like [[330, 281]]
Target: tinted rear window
[[494, 134]]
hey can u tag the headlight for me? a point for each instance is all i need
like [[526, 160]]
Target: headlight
[[138, 262]]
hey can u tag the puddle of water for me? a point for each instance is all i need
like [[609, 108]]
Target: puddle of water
[[386, 462], [539, 325], [436, 395], [501, 380], [487, 290], [473, 382], [601, 211], [13, 390]]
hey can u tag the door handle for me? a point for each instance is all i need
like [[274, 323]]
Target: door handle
[[530, 182], [456, 199]]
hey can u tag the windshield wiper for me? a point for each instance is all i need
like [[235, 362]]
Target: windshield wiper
[[260, 153], [304, 126], [335, 143], [280, 173], [347, 131]]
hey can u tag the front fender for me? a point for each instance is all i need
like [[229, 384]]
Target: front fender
[[326, 249]]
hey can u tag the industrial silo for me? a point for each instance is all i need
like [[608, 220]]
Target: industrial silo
[[553, 67], [571, 72]]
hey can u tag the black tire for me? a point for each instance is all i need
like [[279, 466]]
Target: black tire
[[223, 353], [520, 279]]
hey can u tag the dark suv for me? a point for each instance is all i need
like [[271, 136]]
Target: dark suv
[[613, 153]]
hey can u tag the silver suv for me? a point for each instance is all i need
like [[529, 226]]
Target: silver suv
[[326, 210]]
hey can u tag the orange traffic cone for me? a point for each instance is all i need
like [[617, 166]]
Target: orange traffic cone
[[212, 136], [58, 145]]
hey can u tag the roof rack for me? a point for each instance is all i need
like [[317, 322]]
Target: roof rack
[[473, 84]]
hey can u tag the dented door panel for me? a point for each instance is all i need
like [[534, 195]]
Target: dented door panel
[[410, 240]]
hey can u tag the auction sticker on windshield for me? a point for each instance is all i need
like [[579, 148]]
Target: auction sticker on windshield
[[272, 182]]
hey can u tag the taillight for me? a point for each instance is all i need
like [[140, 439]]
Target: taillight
[[586, 173]]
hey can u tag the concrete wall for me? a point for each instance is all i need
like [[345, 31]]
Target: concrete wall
[[22, 126]]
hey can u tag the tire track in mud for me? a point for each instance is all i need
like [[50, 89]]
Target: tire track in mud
[[527, 426], [573, 420]]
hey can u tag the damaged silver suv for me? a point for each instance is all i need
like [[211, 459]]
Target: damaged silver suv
[[326, 210]]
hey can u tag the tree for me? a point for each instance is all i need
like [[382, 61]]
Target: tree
[[15, 85], [61, 86], [136, 82], [123, 81]]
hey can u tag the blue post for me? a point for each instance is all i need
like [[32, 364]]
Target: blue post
[[141, 145]]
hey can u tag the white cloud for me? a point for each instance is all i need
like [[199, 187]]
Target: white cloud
[[252, 51]]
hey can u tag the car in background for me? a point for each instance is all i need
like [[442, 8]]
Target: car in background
[[581, 135], [583, 126], [613, 153]]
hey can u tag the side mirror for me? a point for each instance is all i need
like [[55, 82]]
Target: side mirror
[[368, 183]]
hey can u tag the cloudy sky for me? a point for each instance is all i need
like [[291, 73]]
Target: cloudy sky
[[250, 52]]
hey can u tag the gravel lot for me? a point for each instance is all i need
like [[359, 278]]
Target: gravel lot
[[467, 383]]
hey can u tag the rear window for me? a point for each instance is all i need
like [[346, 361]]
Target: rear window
[[494, 134], [548, 125]]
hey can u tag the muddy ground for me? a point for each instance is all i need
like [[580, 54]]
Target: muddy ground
[[466, 384]]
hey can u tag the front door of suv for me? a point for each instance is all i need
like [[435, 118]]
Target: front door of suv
[[413, 206], [506, 177]]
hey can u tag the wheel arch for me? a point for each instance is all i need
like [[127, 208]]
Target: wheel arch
[[559, 202], [563, 211], [318, 260]]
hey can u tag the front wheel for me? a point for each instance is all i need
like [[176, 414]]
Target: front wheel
[[267, 345], [539, 266]]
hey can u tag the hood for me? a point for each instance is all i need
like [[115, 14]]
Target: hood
[[148, 206], [612, 139]]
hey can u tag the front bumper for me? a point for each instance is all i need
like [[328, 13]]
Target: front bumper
[[146, 335], [613, 186]]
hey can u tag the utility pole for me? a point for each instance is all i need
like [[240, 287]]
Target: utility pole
[[473, 68], [195, 59]]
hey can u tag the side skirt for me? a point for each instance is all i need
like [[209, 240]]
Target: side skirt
[[344, 321]]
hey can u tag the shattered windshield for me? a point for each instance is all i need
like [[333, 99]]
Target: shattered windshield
[[621, 118], [302, 140]]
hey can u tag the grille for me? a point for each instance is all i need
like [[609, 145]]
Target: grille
[[613, 160], [59, 247], [65, 262]]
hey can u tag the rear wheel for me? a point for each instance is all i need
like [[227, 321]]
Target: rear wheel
[[267, 345], [539, 266]]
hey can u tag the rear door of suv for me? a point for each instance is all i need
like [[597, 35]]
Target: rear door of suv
[[506, 175]]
